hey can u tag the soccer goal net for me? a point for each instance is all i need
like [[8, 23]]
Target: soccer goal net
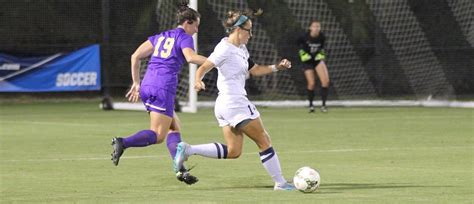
[[352, 83]]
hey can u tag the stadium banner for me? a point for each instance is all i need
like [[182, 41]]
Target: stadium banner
[[76, 71]]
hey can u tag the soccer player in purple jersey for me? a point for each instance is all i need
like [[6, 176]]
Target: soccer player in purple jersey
[[169, 50]]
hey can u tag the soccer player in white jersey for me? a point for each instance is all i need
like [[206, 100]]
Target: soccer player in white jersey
[[233, 110]]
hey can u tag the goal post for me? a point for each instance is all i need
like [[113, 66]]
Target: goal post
[[191, 106]]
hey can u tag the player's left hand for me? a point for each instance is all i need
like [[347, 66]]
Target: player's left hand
[[134, 94], [284, 64]]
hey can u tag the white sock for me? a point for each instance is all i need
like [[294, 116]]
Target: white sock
[[211, 150], [271, 163]]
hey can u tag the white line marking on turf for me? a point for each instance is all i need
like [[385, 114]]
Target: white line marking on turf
[[55, 123], [247, 153], [81, 159], [214, 122]]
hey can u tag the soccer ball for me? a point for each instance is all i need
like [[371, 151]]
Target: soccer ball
[[306, 179]]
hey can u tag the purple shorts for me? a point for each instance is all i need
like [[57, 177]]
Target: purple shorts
[[158, 100]]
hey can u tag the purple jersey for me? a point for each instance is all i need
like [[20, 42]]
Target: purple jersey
[[167, 58]]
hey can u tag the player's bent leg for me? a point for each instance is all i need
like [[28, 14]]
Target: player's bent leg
[[232, 150], [255, 130]]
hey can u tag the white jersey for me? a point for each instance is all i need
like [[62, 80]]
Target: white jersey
[[232, 105], [232, 64]]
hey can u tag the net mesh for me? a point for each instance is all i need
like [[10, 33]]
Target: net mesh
[[349, 79], [421, 66], [463, 10], [346, 71], [376, 48]]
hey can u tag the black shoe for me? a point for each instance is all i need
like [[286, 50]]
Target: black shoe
[[187, 178], [117, 145], [184, 176], [311, 109], [324, 109]]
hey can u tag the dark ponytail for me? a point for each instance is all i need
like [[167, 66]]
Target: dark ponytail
[[232, 17], [185, 13]]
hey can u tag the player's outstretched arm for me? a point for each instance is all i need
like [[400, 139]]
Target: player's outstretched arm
[[260, 70], [192, 57], [145, 50], [202, 70]]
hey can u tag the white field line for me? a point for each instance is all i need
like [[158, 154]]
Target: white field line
[[214, 122], [248, 153]]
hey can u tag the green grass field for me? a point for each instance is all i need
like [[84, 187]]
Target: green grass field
[[59, 152]]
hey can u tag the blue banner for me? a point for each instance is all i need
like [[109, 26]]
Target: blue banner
[[76, 71]]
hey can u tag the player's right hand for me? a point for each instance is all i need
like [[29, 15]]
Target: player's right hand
[[199, 85], [134, 93]]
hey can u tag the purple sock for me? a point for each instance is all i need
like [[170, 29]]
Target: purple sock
[[140, 139], [172, 141]]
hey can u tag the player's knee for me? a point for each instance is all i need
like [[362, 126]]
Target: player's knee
[[311, 86], [233, 153]]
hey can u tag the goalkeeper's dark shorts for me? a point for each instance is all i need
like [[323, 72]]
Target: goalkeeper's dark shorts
[[311, 64]]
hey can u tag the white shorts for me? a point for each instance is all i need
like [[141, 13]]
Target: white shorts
[[233, 109]]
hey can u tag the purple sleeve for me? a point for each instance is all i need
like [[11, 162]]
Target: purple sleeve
[[152, 39], [186, 42]]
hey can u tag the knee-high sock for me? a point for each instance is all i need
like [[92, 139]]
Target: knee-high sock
[[324, 94], [310, 94], [172, 142], [211, 150], [140, 139], [271, 163]]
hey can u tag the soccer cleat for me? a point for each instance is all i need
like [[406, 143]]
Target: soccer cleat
[[284, 187], [311, 109], [117, 145], [323, 109], [186, 177], [180, 157]]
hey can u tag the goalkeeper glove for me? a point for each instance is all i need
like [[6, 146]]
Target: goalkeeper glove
[[320, 56], [304, 56]]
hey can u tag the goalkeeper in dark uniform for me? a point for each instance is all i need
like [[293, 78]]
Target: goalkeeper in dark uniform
[[312, 55]]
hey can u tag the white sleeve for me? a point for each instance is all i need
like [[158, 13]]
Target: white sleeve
[[218, 56]]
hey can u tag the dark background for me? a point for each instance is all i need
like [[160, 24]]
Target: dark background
[[30, 27]]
